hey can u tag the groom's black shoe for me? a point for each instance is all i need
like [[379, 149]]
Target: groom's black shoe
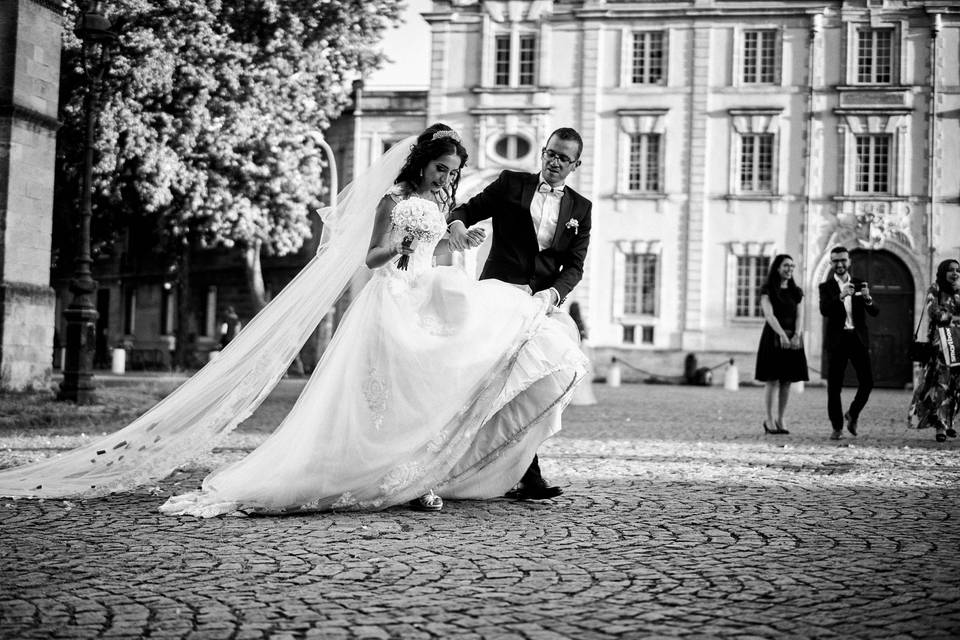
[[542, 492], [532, 485]]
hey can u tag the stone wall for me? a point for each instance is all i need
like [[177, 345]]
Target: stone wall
[[29, 92]]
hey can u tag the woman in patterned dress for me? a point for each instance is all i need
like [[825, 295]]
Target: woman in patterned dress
[[937, 397]]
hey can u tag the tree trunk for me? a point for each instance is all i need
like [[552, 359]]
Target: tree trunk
[[184, 355], [254, 272], [258, 295]]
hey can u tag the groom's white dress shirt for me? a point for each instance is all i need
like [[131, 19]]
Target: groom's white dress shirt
[[545, 210]]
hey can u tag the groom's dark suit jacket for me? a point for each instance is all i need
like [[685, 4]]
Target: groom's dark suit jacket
[[515, 256], [831, 307]]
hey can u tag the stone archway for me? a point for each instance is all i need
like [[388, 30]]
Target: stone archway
[[892, 287]]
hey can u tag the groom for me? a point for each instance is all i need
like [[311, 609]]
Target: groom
[[541, 229]]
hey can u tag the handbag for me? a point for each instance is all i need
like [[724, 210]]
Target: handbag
[[950, 344], [919, 351]]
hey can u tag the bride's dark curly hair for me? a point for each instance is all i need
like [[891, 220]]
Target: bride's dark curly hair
[[426, 149]]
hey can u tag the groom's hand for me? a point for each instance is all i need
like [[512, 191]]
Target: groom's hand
[[476, 236], [550, 295], [461, 238]]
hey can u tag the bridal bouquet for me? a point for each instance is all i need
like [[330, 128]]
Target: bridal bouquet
[[415, 219]]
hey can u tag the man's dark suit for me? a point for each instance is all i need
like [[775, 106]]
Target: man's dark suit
[[515, 256], [843, 345]]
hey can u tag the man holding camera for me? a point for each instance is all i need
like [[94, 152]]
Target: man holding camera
[[845, 302]]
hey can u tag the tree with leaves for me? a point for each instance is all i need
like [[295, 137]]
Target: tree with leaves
[[208, 114]]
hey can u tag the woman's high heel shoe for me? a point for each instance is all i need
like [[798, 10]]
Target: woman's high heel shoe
[[780, 428], [774, 432], [951, 433], [428, 502]]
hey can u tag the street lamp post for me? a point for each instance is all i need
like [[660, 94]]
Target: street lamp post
[[326, 324], [94, 32]]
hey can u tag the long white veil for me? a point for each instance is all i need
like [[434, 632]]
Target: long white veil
[[191, 420]]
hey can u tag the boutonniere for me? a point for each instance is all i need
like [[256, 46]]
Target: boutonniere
[[573, 224]]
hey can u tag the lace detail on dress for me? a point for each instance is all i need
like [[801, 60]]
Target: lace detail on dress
[[437, 443], [401, 477], [435, 326], [376, 392], [345, 501]]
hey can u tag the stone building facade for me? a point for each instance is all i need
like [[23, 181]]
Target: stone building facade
[[719, 133], [29, 92]]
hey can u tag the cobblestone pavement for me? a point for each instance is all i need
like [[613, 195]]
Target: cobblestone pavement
[[680, 518]]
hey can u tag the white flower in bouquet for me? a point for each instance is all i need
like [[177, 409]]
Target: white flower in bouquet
[[416, 219]]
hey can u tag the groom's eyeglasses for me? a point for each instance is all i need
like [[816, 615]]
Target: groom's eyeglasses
[[549, 154]]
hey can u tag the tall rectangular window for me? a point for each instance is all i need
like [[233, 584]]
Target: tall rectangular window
[[643, 173], [756, 162], [873, 163], [875, 55], [751, 274], [129, 310], [208, 324], [640, 284], [648, 57], [646, 334], [759, 56], [515, 67], [528, 58], [168, 310], [501, 64]]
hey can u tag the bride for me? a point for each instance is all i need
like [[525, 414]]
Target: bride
[[434, 383]]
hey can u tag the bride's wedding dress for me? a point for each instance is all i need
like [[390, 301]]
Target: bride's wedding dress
[[432, 381]]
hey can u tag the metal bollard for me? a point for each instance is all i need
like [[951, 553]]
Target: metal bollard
[[731, 377], [613, 373]]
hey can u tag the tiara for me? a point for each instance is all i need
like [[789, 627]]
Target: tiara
[[447, 133]]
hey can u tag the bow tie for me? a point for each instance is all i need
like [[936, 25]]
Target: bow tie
[[545, 188]]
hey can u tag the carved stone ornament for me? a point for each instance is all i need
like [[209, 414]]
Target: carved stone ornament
[[872, 223]]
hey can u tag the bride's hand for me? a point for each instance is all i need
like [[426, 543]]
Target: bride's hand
[[402, 249], [459, 238]]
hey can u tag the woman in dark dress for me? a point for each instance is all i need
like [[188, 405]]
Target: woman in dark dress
[[937, 397], [780, 358]]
